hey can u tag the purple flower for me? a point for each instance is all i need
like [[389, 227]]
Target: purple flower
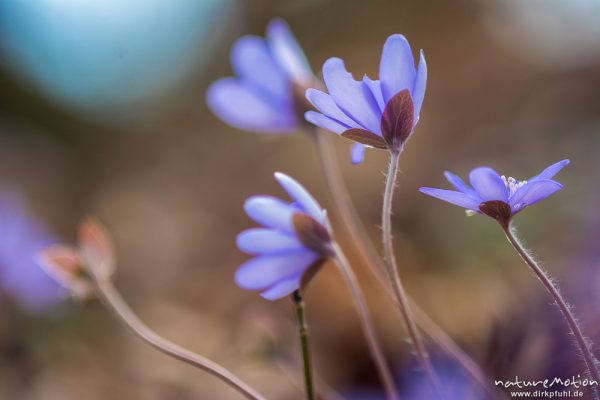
[[21, 238], [291, 245], [497, 196], [380, 114], [454, 383], [269, 73]]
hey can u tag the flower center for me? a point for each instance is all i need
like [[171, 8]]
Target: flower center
[[512, 184]]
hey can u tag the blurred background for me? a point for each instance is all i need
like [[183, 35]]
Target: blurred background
[[102, 111]]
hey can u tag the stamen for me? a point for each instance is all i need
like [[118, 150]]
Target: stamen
[[512, 184]]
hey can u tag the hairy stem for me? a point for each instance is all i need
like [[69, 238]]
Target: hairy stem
[[304, 344], [363, 244], [367, 325], [552, 288], [399, 292], [113, 300]]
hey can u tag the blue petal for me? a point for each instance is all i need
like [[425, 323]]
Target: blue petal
[[357, 153], [323, 121], [265, 271], [453, 197], [244, 108], [488, 184], [350, 97], [325, 104], [461, 185], [532, 192], [301, 196], [397, 66], [375, 88], [283, 288], [287, 51], [261, 240], [271, 212], [552, 170], [418, 93], [253, 62]]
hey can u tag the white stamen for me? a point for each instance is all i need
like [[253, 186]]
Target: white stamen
[[512, 184]]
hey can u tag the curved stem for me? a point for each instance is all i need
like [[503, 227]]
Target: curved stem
[[362, 242], [117, 305], [304, 345], [552, 288], [367, 325], [394, 277]]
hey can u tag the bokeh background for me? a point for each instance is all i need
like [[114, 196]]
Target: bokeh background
[[102, 112]]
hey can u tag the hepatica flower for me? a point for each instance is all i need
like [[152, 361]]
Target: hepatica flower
[[497, 196], [22, 236], [271, 74], [290, 246], [375, 113]]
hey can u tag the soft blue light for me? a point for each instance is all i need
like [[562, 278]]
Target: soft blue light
[[92, 54]]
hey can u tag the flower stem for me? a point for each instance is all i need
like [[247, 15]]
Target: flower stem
[[367, 325], [115, 303], [363, 244], [394, 277], [344, 205], [552, 288], [304, 344]]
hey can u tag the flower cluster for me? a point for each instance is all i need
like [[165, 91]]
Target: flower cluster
[[272, 74], [373, 113], [272, 90]]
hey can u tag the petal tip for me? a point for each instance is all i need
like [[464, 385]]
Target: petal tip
[[241, 44], [214, 89], [333, 62], [310, 93], [311, 116], [422, 60], [239, 279], [268, 297], [396, 37], [250, 202], [280, 176], [357, 154], [277, 23], [239, 241]]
